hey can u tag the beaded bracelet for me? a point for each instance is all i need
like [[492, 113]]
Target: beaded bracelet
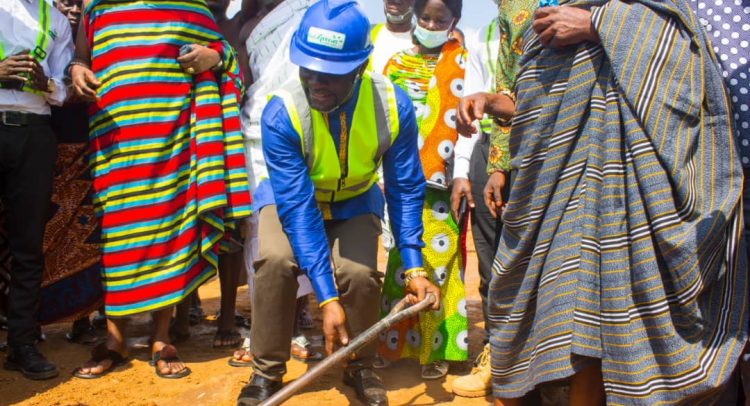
[[414, 274]]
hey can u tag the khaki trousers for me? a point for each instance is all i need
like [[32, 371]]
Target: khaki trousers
[[354, 249]]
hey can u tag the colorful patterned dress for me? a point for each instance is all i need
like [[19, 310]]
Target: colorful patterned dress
[[435, 85], [168, 160]]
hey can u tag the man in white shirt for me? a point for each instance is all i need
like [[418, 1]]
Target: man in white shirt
[[393, 36], [35, 48]]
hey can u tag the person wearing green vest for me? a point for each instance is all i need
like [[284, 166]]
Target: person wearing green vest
[[35, 48], [323, 139]]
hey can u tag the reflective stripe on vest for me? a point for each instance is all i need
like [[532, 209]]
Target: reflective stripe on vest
[[375, 113], [42, 39]]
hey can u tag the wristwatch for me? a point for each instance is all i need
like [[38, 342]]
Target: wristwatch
[[51, 85]]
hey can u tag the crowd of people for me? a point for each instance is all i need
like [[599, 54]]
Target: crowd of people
[[598, 150]]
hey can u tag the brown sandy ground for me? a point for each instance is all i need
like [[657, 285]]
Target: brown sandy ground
[[213, 382]]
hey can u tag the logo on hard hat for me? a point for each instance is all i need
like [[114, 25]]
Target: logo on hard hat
[[326, 38]]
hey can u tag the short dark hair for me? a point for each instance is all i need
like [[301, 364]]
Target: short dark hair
[[453, 5]]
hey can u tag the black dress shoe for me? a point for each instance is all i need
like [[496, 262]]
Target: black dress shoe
[[369, 388], [258, 390], [31, 363]]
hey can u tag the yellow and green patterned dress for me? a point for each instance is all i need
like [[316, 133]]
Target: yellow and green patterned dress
[[435, 84]]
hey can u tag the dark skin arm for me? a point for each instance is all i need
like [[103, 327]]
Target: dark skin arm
[[493, 197], [38, 78], [475, 106], [334, 318], [12, 67], [83, 79]]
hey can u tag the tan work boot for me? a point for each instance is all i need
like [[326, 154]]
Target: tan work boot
[[478, 383]]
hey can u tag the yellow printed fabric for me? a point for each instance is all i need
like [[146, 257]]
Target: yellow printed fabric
[[435, 84]]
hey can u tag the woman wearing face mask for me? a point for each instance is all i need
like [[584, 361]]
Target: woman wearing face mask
[[432, 74]]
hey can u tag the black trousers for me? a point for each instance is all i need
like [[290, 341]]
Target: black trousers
[[485, 228], [27, 161]]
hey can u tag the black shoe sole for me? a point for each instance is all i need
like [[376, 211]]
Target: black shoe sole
[[37, 376]]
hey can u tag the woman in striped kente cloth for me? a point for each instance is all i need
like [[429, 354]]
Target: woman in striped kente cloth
[[620, 263], [167, 156]]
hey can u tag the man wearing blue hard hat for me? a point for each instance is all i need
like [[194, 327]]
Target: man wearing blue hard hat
[[324, 137]]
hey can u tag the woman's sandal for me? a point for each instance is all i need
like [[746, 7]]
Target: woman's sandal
[[242, 351], [435, 370], [227, 339], [102, 353], [303, 351], [167, 354]]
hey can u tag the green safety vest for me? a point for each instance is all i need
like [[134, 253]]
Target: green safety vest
[[373, 37], [39, 52], [485, 124], [375, 125]]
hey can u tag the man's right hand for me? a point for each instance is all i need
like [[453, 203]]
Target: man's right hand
[[470, 109], [12, 67], [493, 190], [334, 330], [84, 82], [461, 188]]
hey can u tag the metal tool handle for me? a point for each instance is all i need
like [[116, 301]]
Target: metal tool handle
[[399, 312]]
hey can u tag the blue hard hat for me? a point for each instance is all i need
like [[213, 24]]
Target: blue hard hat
[[333, 37]]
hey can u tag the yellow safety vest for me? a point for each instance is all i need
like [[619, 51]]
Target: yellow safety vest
[[375, 125], [374, 31], [39, 52]]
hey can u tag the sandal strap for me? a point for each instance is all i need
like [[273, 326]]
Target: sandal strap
[[168, 352], [101, 353]]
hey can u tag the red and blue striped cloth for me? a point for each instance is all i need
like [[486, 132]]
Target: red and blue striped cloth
[[167, 151]]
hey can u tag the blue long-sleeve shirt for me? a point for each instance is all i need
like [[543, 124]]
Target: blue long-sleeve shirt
[[289, 187]]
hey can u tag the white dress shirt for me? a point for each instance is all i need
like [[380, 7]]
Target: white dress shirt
[[19, 20], [387, 44], [479, 77], [268, 51]]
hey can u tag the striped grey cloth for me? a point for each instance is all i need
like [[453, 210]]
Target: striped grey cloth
[[621, 237]]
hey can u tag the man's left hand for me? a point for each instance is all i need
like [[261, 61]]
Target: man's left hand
[[38, 78], [564, 25], [418, 288]]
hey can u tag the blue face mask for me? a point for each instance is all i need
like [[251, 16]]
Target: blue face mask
[[431, 39]]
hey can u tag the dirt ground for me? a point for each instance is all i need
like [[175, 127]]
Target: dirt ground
[[212, 381]]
